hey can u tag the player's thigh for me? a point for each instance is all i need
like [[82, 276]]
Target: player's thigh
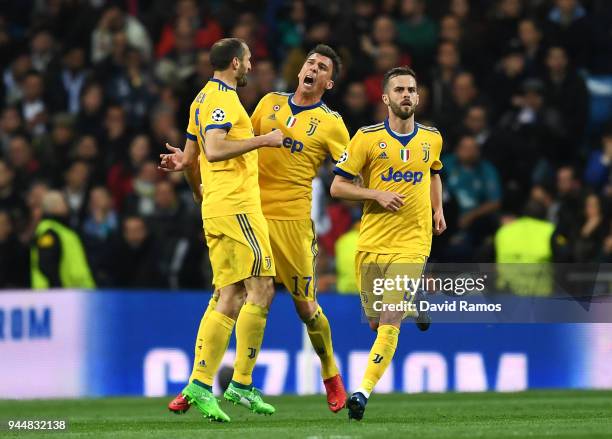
[[294, 247], [239, 248], [408, 268], [381, 296], [368, 269], [230, 299]]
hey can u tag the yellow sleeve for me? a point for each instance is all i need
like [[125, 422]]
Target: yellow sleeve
[[222, 112], [436, 164], [338, 140], [192, 129], [353, 159], [256, 116]]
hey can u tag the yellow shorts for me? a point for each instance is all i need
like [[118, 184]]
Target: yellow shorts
[[372, 269], [294, 246], [239, 248]]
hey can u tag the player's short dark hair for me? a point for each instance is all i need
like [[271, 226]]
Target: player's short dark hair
[[397, 71], [224, 51], [325, 50]]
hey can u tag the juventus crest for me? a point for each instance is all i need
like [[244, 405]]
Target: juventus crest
[[312, 126], [426, 146]]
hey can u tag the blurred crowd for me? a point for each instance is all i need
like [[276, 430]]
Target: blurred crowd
[[91, 90]]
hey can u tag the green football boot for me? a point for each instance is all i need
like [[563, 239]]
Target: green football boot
[[249, 398], [205, 402]]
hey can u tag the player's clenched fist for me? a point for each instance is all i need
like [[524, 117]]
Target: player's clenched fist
[[391, 201], [439, 223], [274, 138]]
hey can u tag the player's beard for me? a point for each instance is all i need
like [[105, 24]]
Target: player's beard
[[397, 110], [241, 77]]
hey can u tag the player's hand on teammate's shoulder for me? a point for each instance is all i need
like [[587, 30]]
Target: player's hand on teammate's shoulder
[[391, 201], [274, 138], [439, 225], [171, 162]]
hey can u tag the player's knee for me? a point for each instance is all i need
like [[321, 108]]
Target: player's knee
[[305, 309], [231, 303], [393, 318], [260, 291]]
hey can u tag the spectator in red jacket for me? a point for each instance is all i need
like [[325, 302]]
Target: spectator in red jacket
[[206, 29]]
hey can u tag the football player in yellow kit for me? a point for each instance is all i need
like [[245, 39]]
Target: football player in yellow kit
[[221, 134], [311, 131], [399, 161]]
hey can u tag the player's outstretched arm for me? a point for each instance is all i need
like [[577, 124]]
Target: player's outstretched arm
[[436, 204], [218, 148], [344, 188]]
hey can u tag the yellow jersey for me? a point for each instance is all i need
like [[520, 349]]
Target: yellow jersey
[[398, 163], [230, 186], [310, 133]]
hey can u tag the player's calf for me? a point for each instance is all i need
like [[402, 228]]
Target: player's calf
[[306, 309], [319, 332]]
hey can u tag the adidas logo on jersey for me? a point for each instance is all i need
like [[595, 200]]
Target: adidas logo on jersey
[[272, 117], [383, 155]]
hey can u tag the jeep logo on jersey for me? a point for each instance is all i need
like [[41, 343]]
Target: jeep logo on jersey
[[404, 154], [312, 126], [293, 145], [398, 176], [426, 147], [218, 115]]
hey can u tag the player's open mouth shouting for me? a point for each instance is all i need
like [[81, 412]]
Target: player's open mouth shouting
[[309, 80]]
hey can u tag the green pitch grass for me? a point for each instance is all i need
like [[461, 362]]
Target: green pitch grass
[[534, 414]]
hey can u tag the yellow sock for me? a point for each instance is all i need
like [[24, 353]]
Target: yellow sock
[[380, 356], [250, 327], [320, 337], [212, 303], [216, 330]]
